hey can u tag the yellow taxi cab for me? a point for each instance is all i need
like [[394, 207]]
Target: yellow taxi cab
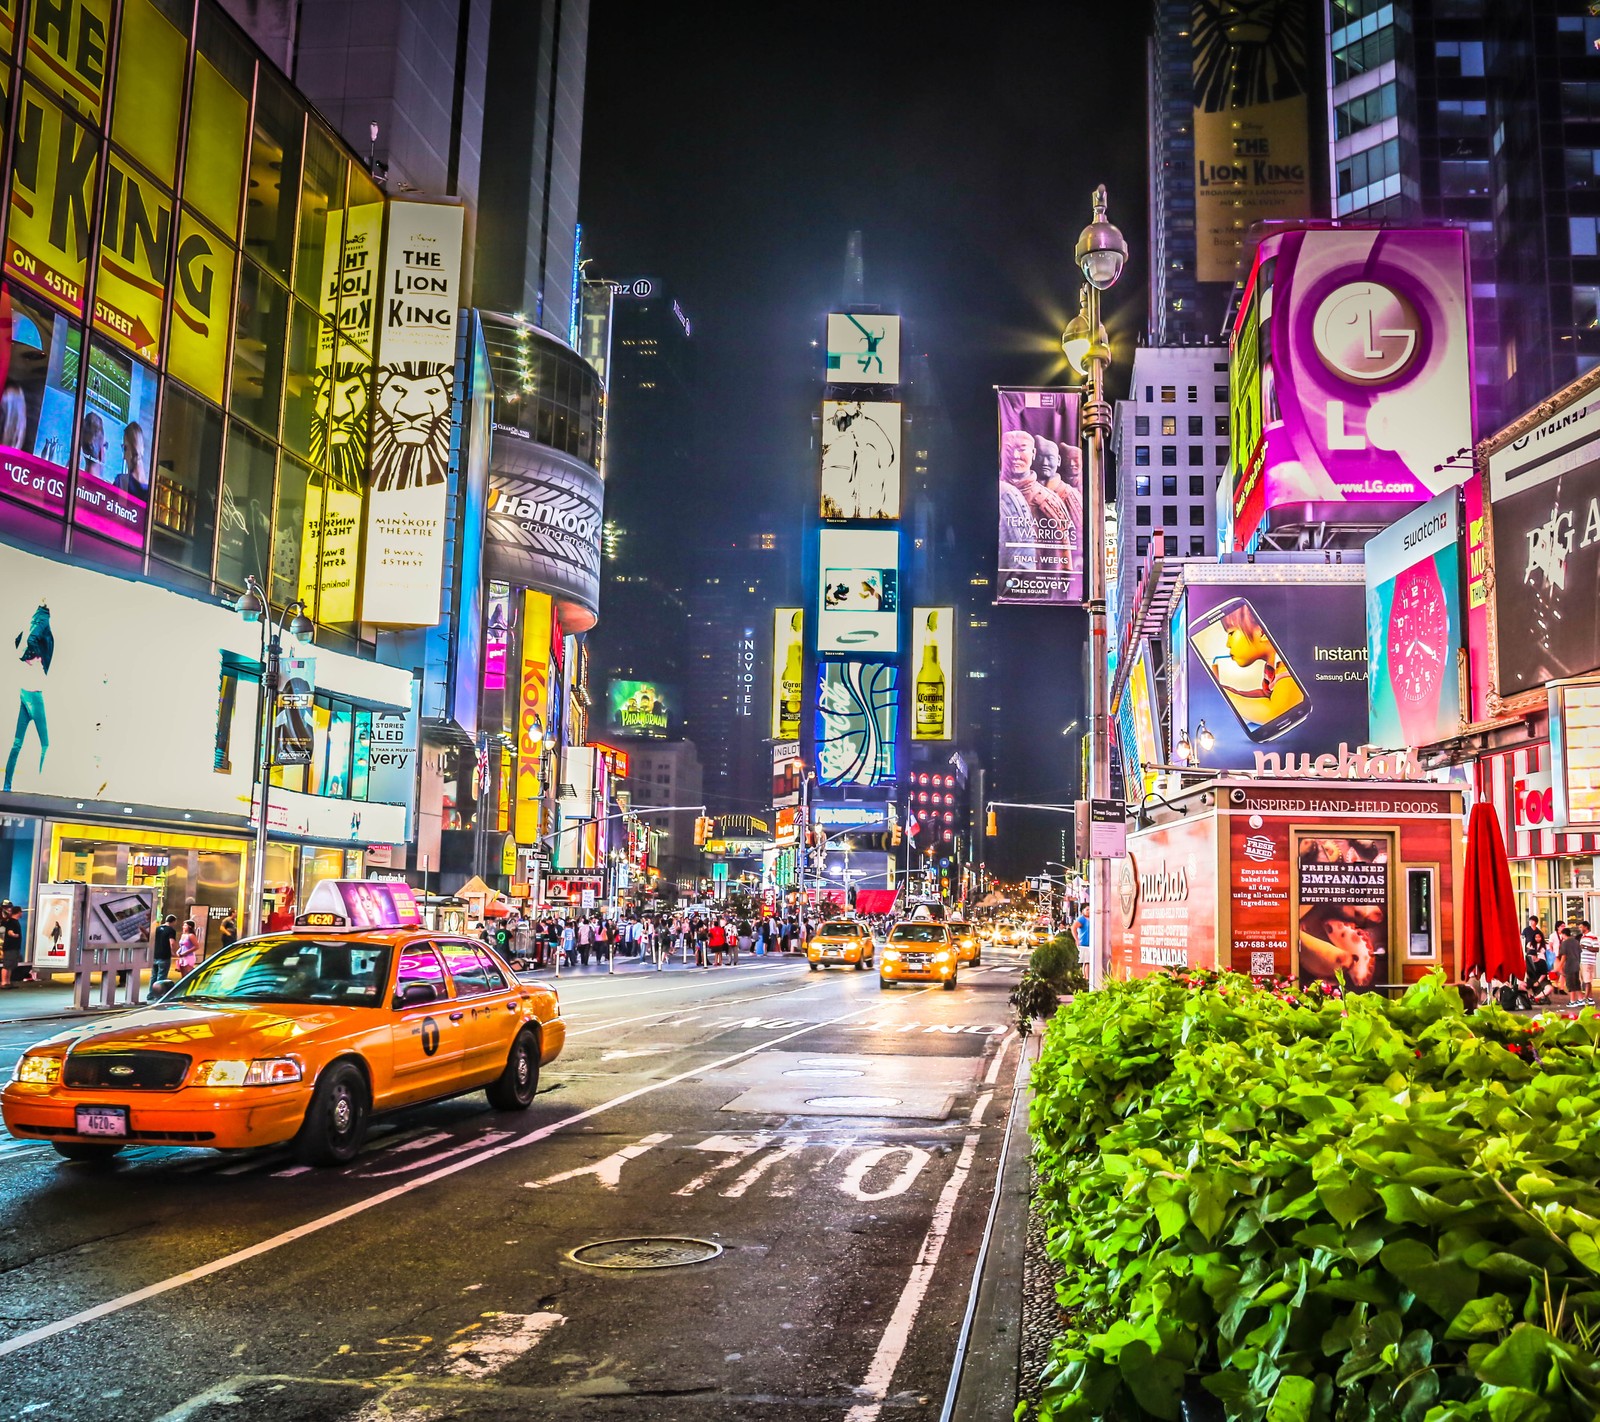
[[918, 952], [841, 940], [965, 937], [297, 1036], [1005, 935]]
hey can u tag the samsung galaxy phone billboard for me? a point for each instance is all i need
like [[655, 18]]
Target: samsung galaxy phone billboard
[[1359, 372], [1277, 665]]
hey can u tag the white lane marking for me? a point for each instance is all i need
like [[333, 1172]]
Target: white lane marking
[[394, 1192], [487, 1138], [605, 997], [855, 1175], [292, 1170], [979, 1107], [608, 1171], [762, 1166], [993, 1074], [502, 1339], [733, 1148], [875, 1388], [670, 1012]]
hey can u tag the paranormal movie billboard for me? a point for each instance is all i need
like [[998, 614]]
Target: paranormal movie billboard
[[1041, 498]]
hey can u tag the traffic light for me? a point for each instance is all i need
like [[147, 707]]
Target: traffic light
[[991, 825], [702, 831], [895, 836]]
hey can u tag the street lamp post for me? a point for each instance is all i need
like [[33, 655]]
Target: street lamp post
[[1101, 253], [254, 606]]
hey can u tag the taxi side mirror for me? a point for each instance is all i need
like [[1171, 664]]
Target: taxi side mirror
[[411, 994]]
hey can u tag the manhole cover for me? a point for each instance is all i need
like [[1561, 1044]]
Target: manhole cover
[[650, 1252], [824, 1071], [852, 1103]]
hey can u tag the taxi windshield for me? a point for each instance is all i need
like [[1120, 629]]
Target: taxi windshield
[[917, 933], [291, 969], [840, 928]]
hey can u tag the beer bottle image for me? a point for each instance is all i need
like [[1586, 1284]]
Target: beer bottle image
[[789, 717], [930, 688]]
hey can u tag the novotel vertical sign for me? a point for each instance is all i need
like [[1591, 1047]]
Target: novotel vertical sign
[[744, 673]]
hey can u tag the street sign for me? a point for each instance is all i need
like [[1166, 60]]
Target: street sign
[[1108, 829], [588, 899]]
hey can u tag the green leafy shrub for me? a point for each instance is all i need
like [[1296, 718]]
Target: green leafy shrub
[[1056, 961], [1291, 1207]]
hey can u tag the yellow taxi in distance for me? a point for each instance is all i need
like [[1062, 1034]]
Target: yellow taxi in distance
[[965, 937], [298, 1037], [841, 940], [918, 952]]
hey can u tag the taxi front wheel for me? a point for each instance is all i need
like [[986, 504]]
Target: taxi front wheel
[[88, 1151], [336, 1121], [950, 984], [515, 1087]]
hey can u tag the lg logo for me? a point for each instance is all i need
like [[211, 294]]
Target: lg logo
[[1533, 800]]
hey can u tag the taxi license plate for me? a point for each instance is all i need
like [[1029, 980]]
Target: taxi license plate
[[102, 1120], [918, 960], [832, 952]]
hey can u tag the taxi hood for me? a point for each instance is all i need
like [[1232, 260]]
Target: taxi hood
[[204, 1029]]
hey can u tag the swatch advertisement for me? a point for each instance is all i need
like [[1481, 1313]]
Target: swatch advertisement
[[863, 349], [1414, 627], [1545, 493], [857, 721], [1041, 498], [1364, 364], [1278, 666], [860, 587]]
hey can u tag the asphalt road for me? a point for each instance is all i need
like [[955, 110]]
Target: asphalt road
[[837, 1142]]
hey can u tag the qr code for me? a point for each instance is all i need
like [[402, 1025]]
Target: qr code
[[1261, 965]]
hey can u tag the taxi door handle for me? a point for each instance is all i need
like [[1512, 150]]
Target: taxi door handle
[[511, 1007], [457, 1016]]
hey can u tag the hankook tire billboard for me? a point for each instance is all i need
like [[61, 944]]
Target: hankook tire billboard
[[544, 525]]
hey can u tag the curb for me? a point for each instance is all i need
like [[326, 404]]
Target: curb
[[990, 1370]]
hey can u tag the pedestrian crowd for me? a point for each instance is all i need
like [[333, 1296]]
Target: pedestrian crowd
[[709, 939]]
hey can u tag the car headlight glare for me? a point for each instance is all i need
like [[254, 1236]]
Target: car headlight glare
[[941, 957], [266, 1071], [42, 1070], [891, 955]]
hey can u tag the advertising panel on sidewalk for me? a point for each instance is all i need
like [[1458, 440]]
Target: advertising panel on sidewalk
[[859, 590], [933, 661], [1544, 491], [1363, 368], [1342, 909], [860, 459], [1278, 664], [412, 416], [1252, 139], [1041, 498], [863, 349], [1414, 630]]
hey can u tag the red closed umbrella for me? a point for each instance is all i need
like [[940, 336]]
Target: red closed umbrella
[[1488, 910]]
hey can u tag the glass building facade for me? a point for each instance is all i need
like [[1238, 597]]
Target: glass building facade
[[190, 265]]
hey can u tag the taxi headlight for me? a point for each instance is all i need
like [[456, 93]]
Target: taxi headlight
[[266, 1071], [891, 955], [42, 1070], [941, 957]]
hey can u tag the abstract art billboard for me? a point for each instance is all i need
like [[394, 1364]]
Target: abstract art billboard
[[1361, 376], [1041, 498], [860, 592], [857, 720], [860, 459], [863, 349]]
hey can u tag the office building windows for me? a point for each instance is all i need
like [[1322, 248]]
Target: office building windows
[[1169, 485], [1197, 548], [1141, 516], [1197, 486], [1197, 516], [1141, 454], [1197, 454], [1169, 515], [1141, 425], [1169, 425], [1169, 454], [1141, 484]]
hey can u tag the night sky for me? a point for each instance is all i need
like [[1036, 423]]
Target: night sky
[[727, 159]]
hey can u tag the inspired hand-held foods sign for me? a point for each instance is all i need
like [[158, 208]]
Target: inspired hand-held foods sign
[[1363, 360], [1041, 498], [412, 415], [1252, 143], [1414, 626]]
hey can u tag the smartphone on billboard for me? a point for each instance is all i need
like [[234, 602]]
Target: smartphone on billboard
[[1249, 668], [126, 918]]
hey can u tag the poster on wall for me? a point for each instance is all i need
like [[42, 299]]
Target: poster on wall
[[1277, 668], [114, 447], [860, 592], [860, 459], [135, 252], [1414, 627], [863, 349], [36, 405], [496, 640], [1252, 143], [639, 708], [1545, 493], [1258, 895], [788, 671], [858, 709], [411, 416], [52, 195], [1041, 498], [1342, 897], [292, 735], [1164, 911], [933, 661]]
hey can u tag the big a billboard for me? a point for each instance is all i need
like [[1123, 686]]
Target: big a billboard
[[1351, 377]]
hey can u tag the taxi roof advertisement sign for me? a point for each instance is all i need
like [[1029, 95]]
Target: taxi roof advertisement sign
[[1365, 372]]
